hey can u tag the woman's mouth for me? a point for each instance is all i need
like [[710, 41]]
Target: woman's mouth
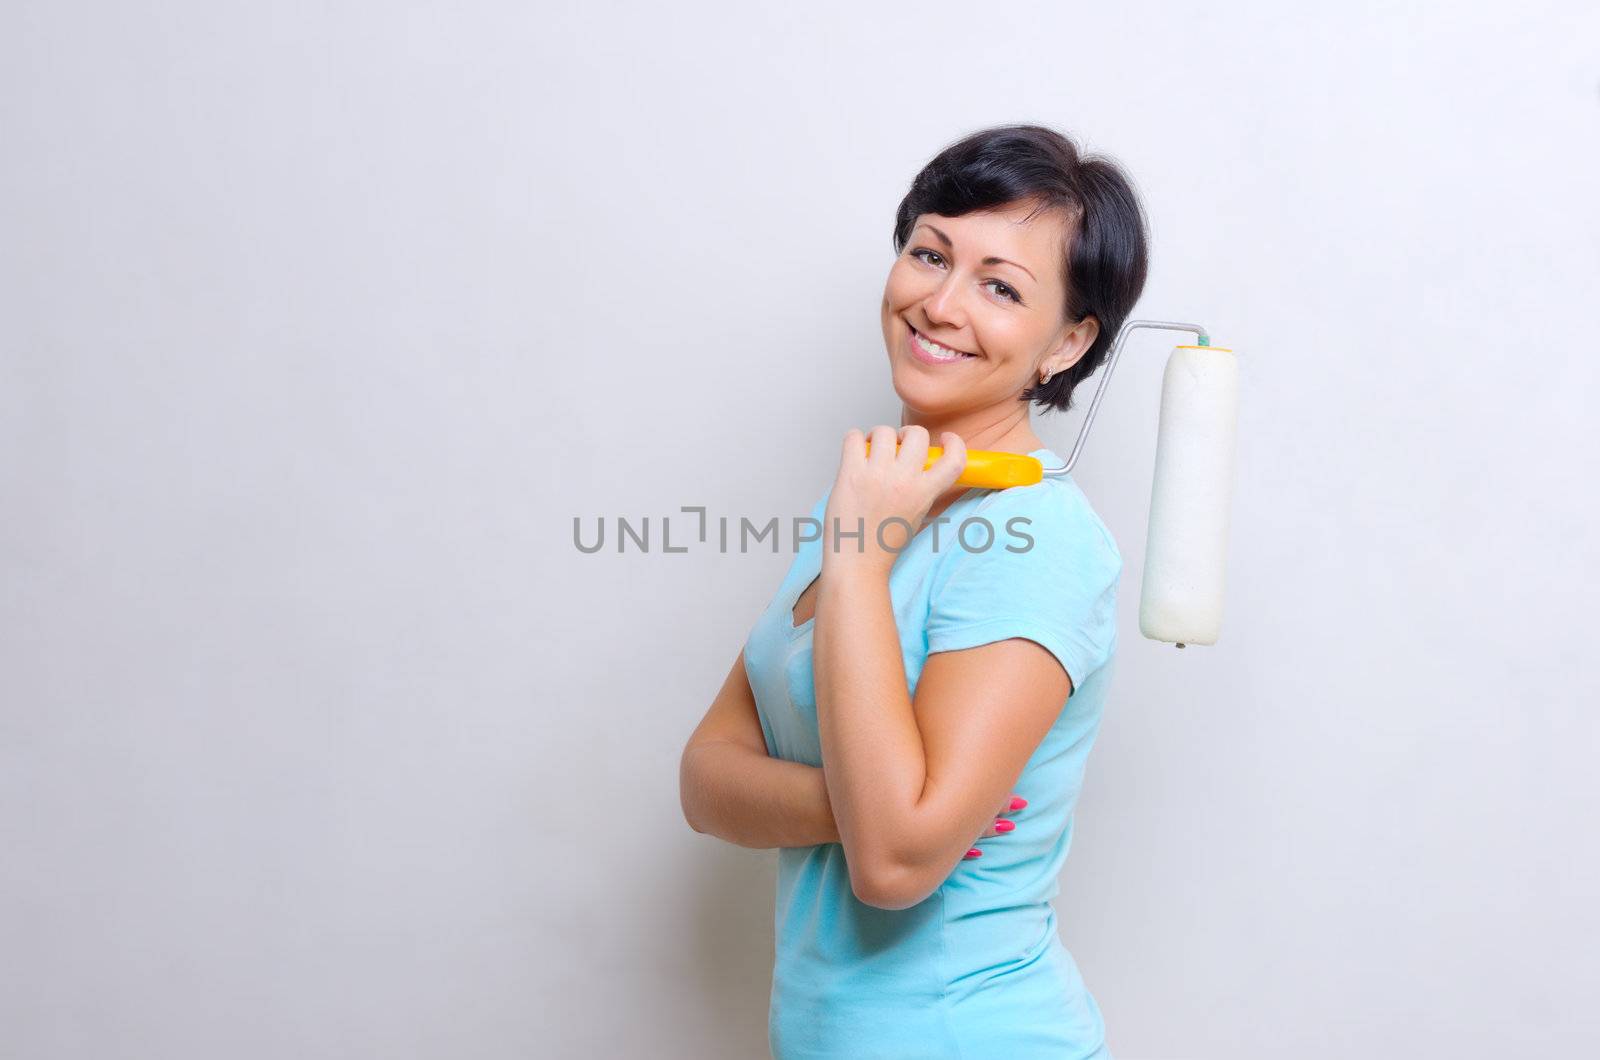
[[929, 352]]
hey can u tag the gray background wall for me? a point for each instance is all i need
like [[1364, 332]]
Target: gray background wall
[[320, 323]]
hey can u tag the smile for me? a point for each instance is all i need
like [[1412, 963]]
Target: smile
[[930, 352]]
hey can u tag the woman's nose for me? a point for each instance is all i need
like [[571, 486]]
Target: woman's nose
[[943, 306]]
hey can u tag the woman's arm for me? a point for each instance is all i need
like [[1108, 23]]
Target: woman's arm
[[910, 783], [732, 789]]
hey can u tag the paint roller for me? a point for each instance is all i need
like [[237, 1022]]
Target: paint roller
[[1186, 548]]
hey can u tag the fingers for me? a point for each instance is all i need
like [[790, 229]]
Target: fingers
[[1013, 803], [949, 466], [909, 443], [914, 445], [999, 826], [883, 442], [854, 446], [974, 852]]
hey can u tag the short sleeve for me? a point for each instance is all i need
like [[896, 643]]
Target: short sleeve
[[1049, 575]]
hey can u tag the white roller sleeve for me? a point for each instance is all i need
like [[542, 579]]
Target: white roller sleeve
[[1186, 549]]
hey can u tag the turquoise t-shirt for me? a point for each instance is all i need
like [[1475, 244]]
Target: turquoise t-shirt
[[977, 969]]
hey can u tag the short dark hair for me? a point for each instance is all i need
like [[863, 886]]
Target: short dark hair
[[1106, 258]]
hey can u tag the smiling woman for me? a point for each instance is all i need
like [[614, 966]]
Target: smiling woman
[[873, 740], [1050, 253]]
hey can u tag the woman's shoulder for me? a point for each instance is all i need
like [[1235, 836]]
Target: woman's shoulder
[[1057, 513], [1051, 574]]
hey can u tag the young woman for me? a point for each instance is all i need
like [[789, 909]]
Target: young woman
[[902, 685]]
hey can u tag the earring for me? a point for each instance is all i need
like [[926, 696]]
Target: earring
[[1045, 378]]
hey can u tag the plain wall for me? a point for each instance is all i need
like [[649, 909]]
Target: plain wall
[[321, 323]]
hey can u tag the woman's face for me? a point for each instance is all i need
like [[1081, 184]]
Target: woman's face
[[1003, 318]]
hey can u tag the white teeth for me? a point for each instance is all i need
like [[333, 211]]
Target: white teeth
[[933, 349]]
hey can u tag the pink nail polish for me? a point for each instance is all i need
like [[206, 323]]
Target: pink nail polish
[[974, 853], [1018, 803], [1004, 826]]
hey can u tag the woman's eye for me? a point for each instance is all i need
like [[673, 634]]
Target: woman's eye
[[924, 254]]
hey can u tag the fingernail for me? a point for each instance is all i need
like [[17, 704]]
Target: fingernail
[[974, 853], [1004, 826], [1018, 803]]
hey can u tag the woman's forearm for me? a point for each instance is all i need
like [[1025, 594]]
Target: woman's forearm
[[877, 763], [751, 799]]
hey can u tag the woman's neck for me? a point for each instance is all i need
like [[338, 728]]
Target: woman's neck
[[1004, 432]]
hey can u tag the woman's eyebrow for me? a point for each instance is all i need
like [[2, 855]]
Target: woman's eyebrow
[[991, 260]]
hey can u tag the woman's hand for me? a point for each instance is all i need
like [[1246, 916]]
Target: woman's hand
[[885, 494], [1012, 804]]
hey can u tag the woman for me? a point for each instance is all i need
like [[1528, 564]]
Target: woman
[[901, 685]]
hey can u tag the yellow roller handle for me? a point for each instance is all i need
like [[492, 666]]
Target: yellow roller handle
[[990, 470]]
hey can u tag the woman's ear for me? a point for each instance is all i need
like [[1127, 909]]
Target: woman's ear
[[1073, 345]]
